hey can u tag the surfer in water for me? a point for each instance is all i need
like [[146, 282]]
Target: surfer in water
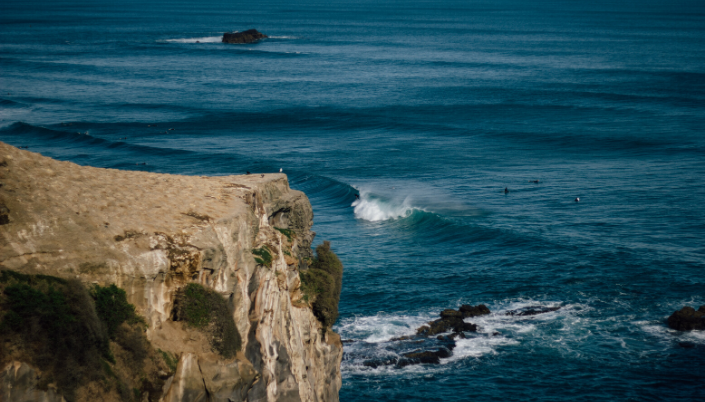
[[506, 190]]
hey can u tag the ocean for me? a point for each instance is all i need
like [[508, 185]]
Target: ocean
[[428, 110]]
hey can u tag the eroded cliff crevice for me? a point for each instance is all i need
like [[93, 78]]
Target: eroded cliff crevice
[[152, 234]]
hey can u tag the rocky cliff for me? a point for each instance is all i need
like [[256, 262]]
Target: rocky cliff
[[246, 237]]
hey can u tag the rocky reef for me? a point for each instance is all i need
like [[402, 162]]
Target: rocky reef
[[249, 36], [688, 319], [244, 238], [437, 339]]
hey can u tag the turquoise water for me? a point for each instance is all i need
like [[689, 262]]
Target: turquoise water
[[428, 110]]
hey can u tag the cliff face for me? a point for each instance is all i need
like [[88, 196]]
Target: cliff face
[[151, 234]]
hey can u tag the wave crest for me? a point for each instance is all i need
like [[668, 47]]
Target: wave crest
[[375, 209]]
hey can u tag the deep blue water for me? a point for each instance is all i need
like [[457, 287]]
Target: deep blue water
[[428, 109]]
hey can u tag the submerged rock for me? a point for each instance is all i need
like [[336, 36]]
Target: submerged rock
[[532, 310], [688, 319], [249, 36]]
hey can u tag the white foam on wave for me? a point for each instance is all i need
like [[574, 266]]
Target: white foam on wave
[[206, 39], [375, 209], [666, 334], [477, 347], [381, 327]]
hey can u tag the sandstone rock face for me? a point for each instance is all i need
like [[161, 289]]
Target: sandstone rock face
[[249, 36], [18, 383], [152, 234]]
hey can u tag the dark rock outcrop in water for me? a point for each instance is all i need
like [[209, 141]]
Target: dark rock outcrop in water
[[532, 310], [427, 349], [688, 319], [451, 320], [474, 311], [249, 36]]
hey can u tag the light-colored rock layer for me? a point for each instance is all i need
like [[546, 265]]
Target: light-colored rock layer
[[151, 234]]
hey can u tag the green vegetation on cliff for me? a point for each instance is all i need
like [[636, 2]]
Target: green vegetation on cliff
[[208, 311], [323, 281], [65, 330], [113, 309], [264, 256]]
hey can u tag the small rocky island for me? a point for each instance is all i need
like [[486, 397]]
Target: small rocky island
[[688, 319], [249, 36]]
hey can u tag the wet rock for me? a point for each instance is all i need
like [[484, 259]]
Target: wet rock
[[455, 324], [374, 363], [474, 311], [450, 313], [688, 319], [249, 36], [532, 310], [450, 321], [425, 357]]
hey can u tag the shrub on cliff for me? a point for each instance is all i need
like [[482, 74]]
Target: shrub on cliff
[[113, 309], [208, 311], [61, 328], [324, 281], [52, 323]]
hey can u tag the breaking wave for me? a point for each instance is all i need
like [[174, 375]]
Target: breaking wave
[[373, 208], [205, 39]]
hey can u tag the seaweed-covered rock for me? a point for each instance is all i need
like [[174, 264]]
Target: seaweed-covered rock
[[249, 36], [474, 311], [688, 319]]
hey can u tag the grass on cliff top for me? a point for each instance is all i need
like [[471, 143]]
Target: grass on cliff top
[[208, 311], [64, 329], [265, 257], [323, 282]]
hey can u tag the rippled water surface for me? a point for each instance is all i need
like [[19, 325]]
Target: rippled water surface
[[428, 111]]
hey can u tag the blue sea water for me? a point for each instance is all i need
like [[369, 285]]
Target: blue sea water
[[428, 110]]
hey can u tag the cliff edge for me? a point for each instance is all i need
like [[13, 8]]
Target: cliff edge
[[245, 237]]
